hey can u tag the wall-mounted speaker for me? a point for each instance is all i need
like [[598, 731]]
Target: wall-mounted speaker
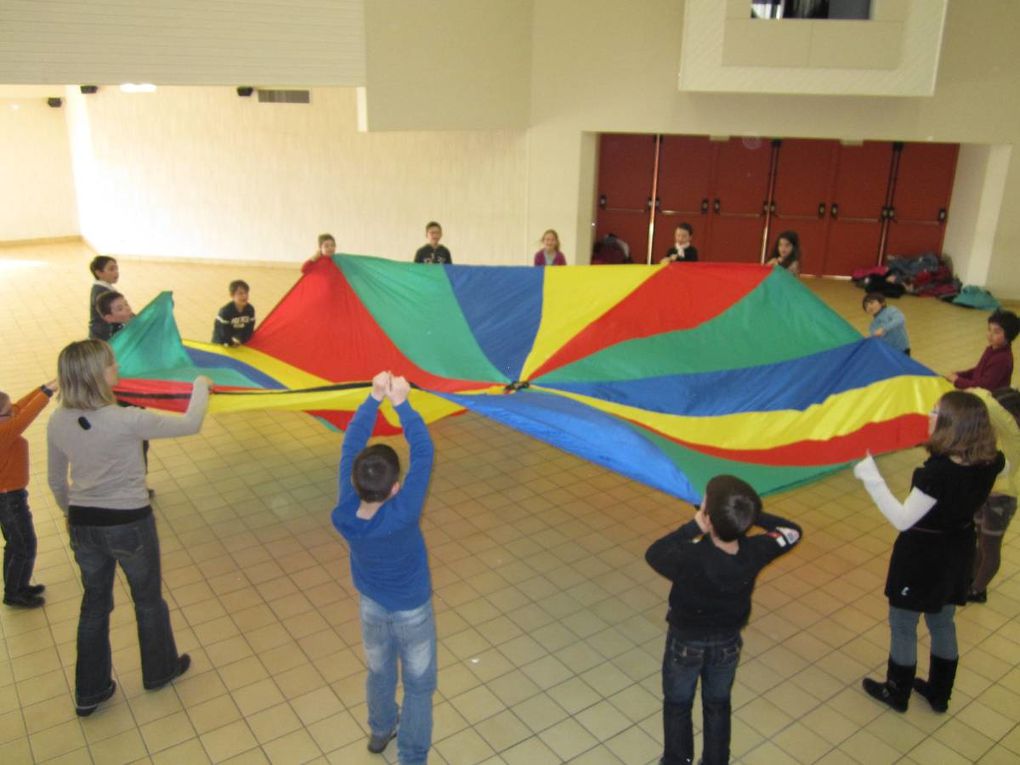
[[89, 90], [54, 103], [245, 91]]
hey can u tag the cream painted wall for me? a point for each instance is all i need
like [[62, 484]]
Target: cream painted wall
[[447, 64], [975, 208], [201, 173], [36, 191], [605, 67]]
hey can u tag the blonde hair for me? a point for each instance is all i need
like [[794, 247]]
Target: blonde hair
[[81, 371], [963, 429]]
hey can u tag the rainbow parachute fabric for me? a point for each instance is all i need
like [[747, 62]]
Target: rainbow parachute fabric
[[665, 374]]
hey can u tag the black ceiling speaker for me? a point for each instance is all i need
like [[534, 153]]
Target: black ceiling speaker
[[245, 91], [89, 90], [54, 103]]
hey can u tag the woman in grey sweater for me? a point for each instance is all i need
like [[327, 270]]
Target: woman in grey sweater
[[109, 517]]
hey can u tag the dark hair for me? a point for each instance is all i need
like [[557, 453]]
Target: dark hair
[[99, 263], [1008, 321], [794, 239], [963, 429], [873, 297], [104, 303], [375, 471], [732, 505], [1009, 399], [432, 224], [239, 284], [686, 227], [326, 238]]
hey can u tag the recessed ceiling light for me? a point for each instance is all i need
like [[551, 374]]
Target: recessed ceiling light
[[140, 87]]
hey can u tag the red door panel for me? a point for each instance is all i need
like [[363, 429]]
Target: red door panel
[[626, 170], [630, 227], [626, 174], [740, 191], [852, 244], [924, 184], [911, 239], [859, 193], [803, 178], [924, 180], [685, 173], [685, 176], [742, 175], [803, 186], [735, 240], [862, 180]]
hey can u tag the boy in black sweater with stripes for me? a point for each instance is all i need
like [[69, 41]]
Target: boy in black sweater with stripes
[[713, 565]]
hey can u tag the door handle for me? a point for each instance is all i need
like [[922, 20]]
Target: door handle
[[704, 206], [834, 210], [603, 201], [821, 209], [716, 205]]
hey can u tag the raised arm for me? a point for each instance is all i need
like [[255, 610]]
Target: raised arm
[[359, 429], [784, 531], [416, 432], [22, 415], [902, 515], [665, 554], [149, 425]]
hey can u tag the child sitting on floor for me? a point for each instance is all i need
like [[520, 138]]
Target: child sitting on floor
[[887, 322], [994, 369]]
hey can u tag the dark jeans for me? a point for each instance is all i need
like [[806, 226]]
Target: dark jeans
[[19, 539], [98, 550], [715, 661]]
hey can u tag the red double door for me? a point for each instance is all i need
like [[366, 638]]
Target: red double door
[[649, 184], [850, 204]]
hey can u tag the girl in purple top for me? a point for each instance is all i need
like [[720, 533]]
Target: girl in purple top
[[550, 254]]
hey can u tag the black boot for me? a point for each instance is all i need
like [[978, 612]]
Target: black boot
[[939, 685], [895, 691]]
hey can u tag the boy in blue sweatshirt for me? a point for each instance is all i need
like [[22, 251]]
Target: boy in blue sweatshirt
[[887, 322], [378, 516]]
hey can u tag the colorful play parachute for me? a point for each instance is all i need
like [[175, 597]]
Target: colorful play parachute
[[666, 374]]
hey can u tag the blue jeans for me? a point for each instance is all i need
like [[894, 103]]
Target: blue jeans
[[19, 540], [715, 661], [903, 626], [98, 550], [411, 636]]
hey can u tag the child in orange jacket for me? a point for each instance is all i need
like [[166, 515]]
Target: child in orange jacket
[[15, 517]]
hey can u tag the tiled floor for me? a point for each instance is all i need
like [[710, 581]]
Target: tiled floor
[[551, 625]]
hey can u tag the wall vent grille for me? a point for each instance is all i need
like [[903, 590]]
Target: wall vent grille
[[284, 96]]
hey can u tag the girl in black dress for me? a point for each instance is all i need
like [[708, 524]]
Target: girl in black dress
[[931, 563]]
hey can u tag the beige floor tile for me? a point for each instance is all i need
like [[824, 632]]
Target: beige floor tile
[[273, 722], [466, 747], [294, 748], [222, 743]]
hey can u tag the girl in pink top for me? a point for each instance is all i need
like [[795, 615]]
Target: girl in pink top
[[550, 254]]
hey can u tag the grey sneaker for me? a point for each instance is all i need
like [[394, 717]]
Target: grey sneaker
[[376, 744]]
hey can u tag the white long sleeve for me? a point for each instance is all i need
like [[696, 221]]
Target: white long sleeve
[[902, 515]]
